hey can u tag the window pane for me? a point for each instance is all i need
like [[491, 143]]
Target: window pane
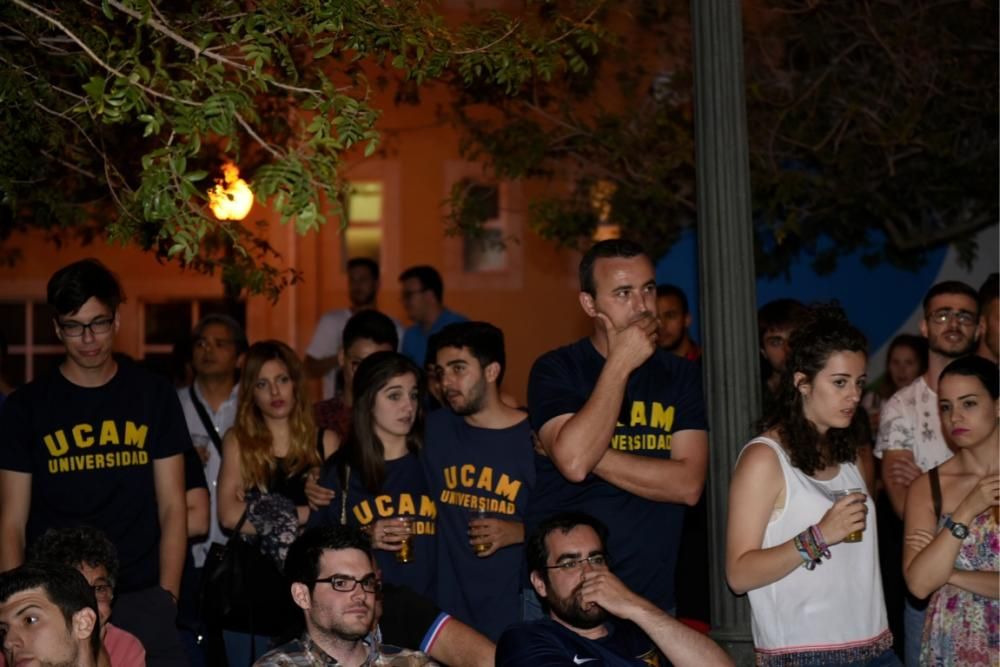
[[12, 322], [44, 332], [363, 242], [13, 369], [46, 363], [486, 253], [234, 309], [163, 364], [364, 202], [167, 323]]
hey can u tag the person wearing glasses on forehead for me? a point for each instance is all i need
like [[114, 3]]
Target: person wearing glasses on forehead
[[910, 440], [100, 441], [335, 583], [592, 615], [89, 551]]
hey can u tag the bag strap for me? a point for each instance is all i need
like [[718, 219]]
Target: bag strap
[[206, 420], [239, 524], [343, 498], [935, 480]]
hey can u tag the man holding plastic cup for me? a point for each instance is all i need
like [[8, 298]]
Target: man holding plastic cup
[[480, 468]]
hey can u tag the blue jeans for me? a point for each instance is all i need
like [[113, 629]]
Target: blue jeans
[[913, 630], [239, 652]]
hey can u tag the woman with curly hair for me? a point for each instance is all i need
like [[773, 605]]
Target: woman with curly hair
[[266, 457], [801, 536], [952, 544], [387, 494]]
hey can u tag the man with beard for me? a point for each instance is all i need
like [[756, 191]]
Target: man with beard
[[675, 321], [480, 467], [592, 615], [333, 581], [621, 423], [48, 616], [910, 441], [322, 358]]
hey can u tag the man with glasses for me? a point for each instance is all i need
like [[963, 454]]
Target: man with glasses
[[910, 441], [100, 442], [333, 581], [592, 615], [422, 292]]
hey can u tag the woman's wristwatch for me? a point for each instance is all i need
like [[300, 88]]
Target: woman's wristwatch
[[959, 530]]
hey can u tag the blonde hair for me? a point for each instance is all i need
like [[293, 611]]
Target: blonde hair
[[257, 461]]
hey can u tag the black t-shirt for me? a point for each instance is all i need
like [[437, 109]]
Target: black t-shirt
[[403, 493], [662, 396], [470, 468], [90, 453], [546, 643]]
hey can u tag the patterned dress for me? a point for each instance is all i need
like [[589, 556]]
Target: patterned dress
[[961, 627]]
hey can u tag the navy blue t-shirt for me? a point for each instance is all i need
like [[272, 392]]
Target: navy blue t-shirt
[[662, 396], [403, 493], [90, 453], [470, 468], [546, 643]]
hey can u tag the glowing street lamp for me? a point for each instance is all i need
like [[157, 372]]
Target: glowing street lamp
[[231, 198]]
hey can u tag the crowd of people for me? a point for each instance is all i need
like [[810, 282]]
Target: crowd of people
[[418, 515]]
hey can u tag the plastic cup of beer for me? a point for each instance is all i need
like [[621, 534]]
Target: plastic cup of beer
[[840, 493], [484, 546], [405, 553]]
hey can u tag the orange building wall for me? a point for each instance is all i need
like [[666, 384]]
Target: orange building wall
[[534, 301]]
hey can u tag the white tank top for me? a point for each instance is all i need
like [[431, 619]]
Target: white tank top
[[837, 606]]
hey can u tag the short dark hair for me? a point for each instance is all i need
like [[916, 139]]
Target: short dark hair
[[302, 561], [427, 276], [989, 290], [978, 367], [63, 585], [537, 551], [606, 249], [482, 339], [666, 290], [365, 262], [372, 325], [76, 546], [72, 286], [235, 330], [950, 287], [780, 314]]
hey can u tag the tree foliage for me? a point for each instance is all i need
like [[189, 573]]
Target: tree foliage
[[873, 128], [116, 112]]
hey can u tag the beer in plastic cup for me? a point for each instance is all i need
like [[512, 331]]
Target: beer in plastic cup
[[405, 553], [840, 493]]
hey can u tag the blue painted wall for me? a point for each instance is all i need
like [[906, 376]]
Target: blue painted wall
[[882, 301]]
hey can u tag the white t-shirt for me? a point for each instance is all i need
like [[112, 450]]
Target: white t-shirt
[[326, 343], [910, 421]]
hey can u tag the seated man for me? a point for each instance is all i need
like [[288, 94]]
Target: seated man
[[592, 616], [333, 581], [48, 615], [90, 552]]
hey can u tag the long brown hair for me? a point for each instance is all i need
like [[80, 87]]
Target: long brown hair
[[364, 449], [257, 461]]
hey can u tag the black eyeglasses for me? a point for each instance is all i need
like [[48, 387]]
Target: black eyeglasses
[[345, 584], [597, 561], [964, 317], [75, 329]]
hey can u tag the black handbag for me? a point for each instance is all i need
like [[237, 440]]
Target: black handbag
[[244, 591]]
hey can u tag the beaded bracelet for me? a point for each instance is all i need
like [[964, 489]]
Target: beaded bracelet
[[824, 550], [811, 547]]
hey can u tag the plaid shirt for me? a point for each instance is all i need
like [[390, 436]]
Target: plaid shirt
[[304, 652]]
